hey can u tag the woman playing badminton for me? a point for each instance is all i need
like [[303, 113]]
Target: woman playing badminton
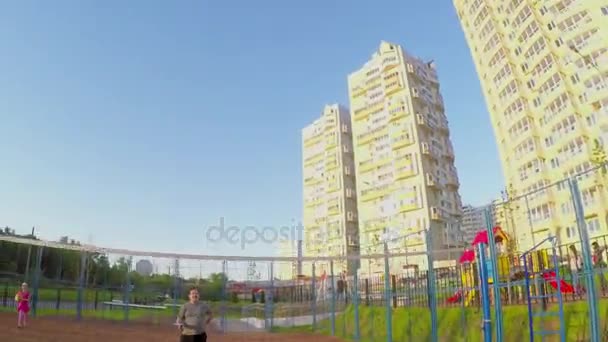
[[22, 299], [193, 318]]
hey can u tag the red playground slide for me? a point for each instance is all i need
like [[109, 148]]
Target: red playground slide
[[565, 287], [455, 298]]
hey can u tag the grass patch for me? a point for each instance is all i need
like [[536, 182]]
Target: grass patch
[[454, 324]]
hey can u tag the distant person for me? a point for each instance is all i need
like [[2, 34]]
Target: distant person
[[576, 267], [600, 263], [22, 299], [193, 319], [340, 287]]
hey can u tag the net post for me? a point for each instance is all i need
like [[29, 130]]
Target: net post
[[388, 295], [27, 270], [355, 295], [175, 286], [333, 298], [127, 290], [592, 298], [36, 284], [495, 283], [431, 287], [485, 298], [314, 299], [81, 280], [224, 295], [270, 298]]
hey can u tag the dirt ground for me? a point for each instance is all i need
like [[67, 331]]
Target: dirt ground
[[67, 330]]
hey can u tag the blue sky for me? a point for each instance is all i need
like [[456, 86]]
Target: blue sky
[[131, 119]]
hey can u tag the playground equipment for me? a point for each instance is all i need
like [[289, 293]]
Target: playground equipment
[[510, 268], [553, 278], [470, 273]]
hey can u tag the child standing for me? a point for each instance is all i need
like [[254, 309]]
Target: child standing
[[23, 305]]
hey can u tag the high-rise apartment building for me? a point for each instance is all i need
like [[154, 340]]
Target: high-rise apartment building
[[404, 160], [287, 270], [330, 199], [543, 68], [473, 221]]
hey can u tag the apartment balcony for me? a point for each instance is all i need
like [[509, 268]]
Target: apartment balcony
[[358, 91], [422, 121], [365, 139], [331, 142], [366, 166], [331, 164], [404, 173], [368, 137], [313, 203], [431, 181], [313, 140], [376, 107], [361, 114], [399, 114], [407, 207], [401, 141], [374, 82], [314, 159], [333, 186], [333, 210], [378, 163], [443, 126], [449, 152], [319, 221], [426, 150], [374, 225], [371, 194], [437, 214], [393, 88], [452, 181], [310, 181]]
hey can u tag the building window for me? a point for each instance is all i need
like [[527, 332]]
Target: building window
[[570, 232], [593, 225]]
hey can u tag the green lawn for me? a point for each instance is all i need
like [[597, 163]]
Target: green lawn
[[455, 324]]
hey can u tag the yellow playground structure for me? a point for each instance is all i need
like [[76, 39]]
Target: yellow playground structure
[[509, 266]]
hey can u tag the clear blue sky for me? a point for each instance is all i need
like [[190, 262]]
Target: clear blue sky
[[131, 119]]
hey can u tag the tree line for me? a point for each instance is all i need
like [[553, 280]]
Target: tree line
[[61, 268]]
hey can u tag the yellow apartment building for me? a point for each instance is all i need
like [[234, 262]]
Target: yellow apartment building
[[404, 160], [330, 199], [287, 270], [543, 68]]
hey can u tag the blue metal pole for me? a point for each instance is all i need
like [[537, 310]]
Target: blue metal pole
[[463, 313], [36, 284], [485, 298], [560, 299], [592, 298], [126, 293], [314, 299], [175, 286], [528, 296], [431, 288], [224, 292], [495, 282], [388, 296], [355, 295], [79, 300], [271, 299], [333, 298]]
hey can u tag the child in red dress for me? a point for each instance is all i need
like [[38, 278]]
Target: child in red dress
[[23, 305]]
